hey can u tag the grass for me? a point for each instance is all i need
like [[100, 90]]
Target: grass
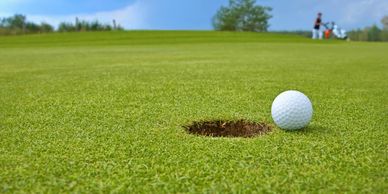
[[102, 112]]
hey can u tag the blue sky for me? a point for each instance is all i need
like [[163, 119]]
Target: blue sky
[[195, 14]]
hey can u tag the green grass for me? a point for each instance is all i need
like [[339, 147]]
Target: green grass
[[102, 112]]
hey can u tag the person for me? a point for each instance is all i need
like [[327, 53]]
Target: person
[[317, 25]]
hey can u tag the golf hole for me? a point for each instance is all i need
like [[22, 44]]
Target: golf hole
[[225, 128]]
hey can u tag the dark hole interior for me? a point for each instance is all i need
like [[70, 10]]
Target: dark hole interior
[[225, 128]]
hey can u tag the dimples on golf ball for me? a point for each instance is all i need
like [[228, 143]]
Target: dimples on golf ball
[[291, 110]]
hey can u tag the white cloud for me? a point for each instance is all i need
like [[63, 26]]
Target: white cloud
[[130, 17], [363, 10]]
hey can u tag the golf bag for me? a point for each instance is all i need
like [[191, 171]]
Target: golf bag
[[339, 32], [333, 29]]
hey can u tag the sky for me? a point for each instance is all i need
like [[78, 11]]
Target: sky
[[195, 14]]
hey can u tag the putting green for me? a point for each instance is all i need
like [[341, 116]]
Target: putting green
[[103, 112]]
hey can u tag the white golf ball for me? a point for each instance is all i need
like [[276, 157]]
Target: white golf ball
[[292, 110]]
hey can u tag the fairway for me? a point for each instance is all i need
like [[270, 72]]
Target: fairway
[[103, 112]]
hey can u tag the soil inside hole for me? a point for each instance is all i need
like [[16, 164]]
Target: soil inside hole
[[225, 128]]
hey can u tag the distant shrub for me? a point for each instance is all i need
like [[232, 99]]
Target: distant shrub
[[84, 26], [66, 27], [31, 27], [18, 24], [384, 35], [13, 25], [373, 33], [46, 28]]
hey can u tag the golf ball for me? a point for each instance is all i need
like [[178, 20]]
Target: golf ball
[[291, 110]]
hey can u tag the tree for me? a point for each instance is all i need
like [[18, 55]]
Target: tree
[[374, 33], [242, 15], [66, 27], [45, 27], [384, 21], [15, 24], [31, 27], [17, 21]]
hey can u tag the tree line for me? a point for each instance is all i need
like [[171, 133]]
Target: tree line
[[18, 24], [372, 33]]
